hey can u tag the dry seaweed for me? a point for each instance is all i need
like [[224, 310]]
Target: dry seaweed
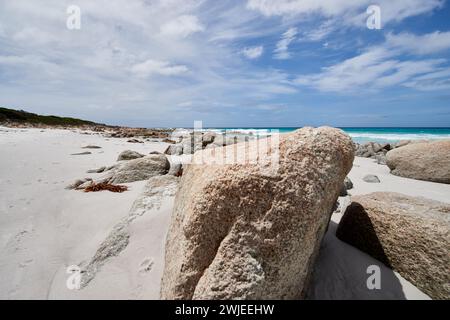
[[95, 187]]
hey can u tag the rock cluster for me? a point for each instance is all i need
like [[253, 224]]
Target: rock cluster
[[139, 169], [373, 150], [191, 143]]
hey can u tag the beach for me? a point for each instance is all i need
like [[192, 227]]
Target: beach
[[46, 228]]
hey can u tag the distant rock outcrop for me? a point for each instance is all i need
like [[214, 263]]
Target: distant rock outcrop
[[246, 231], [410, 235], [429, 161]]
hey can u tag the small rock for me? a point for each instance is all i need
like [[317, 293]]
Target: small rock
[[99, 170], [81, 153], [370, 178], [135, 141], [91, 147], [347, 185], [129, 155], [381, 159]]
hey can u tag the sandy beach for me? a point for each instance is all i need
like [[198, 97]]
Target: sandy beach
[[46, 228]]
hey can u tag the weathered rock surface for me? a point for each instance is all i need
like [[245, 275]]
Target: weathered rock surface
[[422, 161], [140, 169], [246, 231], [410, 235], [129, 155]]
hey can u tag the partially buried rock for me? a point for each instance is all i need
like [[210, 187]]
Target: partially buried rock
[[249, 231], [346, 185], [411, 235], [81, 153], [422, 161], [91, 147], [139, 169], [129, 155], [135, 141], [371, 178], [98, 170], [78, 183]]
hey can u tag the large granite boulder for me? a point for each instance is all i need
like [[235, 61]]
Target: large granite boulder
[[429, 161], [139, 169], [250, 231], [410, 235]]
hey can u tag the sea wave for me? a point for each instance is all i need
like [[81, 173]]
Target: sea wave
[[398, 136]]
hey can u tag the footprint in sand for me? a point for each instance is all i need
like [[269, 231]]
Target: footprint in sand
[[25, 263], [146, 265]]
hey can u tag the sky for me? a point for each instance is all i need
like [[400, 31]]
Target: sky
[[230, 63]]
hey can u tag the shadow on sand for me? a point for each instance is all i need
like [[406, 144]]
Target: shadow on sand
[[340, 272]]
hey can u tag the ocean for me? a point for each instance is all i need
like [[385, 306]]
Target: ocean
[[362, 135]]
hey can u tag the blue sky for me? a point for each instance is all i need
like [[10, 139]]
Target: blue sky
[[229, 63]]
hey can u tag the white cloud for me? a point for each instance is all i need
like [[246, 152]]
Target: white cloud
[[253, 52], [420, 44], [151, 57], [151, 67], [182, 26], [385, 66], [351, 11], [281, 51]]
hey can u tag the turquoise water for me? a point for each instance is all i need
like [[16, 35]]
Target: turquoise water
[[362, 135]]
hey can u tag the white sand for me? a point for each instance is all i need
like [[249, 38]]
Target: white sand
[[45, 228]]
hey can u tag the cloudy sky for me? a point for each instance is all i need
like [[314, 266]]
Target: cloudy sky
[[229, 63]]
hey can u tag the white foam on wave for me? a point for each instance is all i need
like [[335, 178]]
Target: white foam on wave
[[399, 136]]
